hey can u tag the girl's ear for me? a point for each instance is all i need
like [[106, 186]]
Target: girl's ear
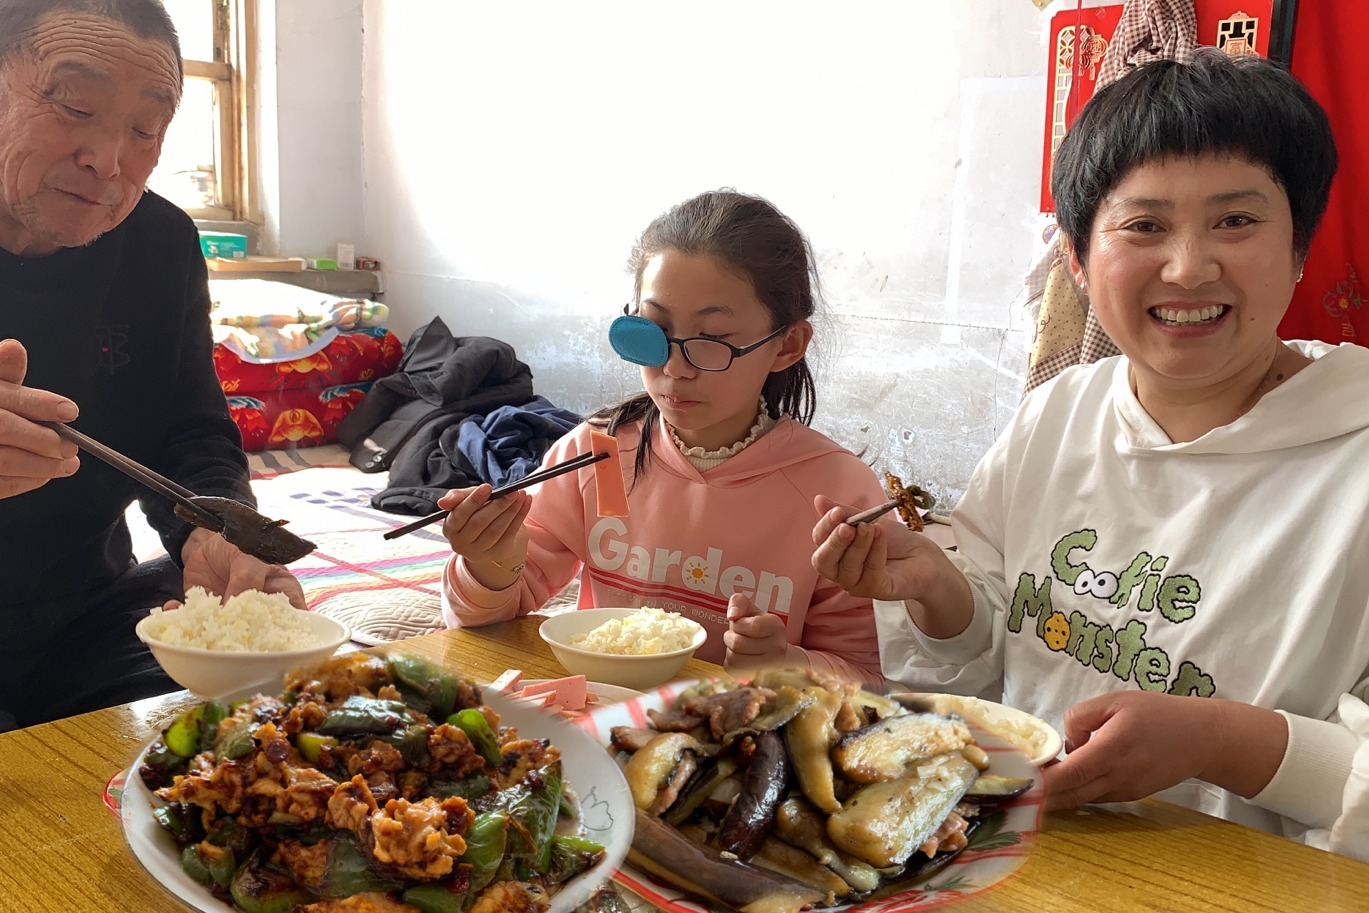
[[794, 345]]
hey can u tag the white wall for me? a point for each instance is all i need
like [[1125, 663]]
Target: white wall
[[513, 151], [310, 125]]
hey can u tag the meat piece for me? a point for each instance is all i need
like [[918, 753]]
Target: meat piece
[[509, 897], [340, 677], [631, 738], [450, 751], [371, 902], [421, 839], [351, 806]]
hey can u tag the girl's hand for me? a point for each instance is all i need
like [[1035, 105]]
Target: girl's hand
[[209, 561], [882, 560], [488, 534], [754, 639], [1130, 744]]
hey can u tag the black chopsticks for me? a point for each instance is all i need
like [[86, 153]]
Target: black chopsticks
[[136, 471], [570, 465]]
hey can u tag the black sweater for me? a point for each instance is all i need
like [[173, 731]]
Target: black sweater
[[121, 327]]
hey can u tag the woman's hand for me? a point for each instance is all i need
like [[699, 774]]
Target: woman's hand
[[1130, 744], [882, 560], [211, 562], [488, 534], [30, 455], [754, 639]]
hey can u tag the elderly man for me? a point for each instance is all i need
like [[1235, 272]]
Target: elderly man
[[104, 323]]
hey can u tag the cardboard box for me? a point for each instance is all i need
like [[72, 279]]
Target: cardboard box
[[223, 244]]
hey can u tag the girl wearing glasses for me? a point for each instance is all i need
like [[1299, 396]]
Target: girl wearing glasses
[[719, 462]]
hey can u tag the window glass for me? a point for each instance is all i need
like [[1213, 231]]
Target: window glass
[[188, 173]]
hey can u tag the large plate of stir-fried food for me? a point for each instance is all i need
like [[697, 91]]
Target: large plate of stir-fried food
[[796, 790], [376, 784]]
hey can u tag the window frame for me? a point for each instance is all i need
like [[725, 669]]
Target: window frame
[[229, 71]]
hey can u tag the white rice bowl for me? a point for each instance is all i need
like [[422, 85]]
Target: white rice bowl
[[251, 641], [250, 622]]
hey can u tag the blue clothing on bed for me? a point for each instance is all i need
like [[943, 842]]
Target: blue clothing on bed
[[510, 442]]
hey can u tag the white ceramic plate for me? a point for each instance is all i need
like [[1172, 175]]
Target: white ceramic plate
[[997, 849], [606, 811], [1031, 734]]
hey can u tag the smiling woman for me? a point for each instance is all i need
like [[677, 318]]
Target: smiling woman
[[1119, 573]]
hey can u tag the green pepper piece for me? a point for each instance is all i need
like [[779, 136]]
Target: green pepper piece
[[473, 787], [160, 765], [533, 804], [570, 856], [438, 897], [412, 744], [221, 862], [214, 714], [237, 742], [170, 817], [183, 735], [229, 833], [311, 745], [366, 715], [477, 729], [349, 872], [486, 840], [259, 888], [194, 865], [434, 690]]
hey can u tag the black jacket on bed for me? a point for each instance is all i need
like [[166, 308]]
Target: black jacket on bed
[[408, 421]]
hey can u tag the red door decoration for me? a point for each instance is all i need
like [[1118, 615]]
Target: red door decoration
[[1080, 38]]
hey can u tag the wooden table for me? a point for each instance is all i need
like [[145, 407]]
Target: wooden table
[[62, 850]]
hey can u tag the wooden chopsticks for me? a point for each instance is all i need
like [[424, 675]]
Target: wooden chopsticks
[[532, 478], [873, 513], [137, 472]]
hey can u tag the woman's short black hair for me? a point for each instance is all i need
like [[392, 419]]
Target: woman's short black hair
[[1246, 107]]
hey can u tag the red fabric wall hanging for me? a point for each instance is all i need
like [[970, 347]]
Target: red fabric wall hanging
[[1329, 57], [1080, 37]]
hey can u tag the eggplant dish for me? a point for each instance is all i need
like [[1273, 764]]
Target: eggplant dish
[[799, 790]]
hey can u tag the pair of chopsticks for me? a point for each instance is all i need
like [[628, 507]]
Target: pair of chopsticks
[[137, 472], [551, 472]]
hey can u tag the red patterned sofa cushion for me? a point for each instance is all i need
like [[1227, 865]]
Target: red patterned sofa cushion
[[300, 403]]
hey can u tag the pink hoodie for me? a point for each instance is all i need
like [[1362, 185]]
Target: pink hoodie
[[692, 540]]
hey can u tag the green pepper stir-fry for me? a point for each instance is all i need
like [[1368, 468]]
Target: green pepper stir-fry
[[372, 783]]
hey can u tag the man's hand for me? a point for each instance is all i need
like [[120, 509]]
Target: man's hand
[[30, 455], [211, 562], [1130, 744], [754, 639]]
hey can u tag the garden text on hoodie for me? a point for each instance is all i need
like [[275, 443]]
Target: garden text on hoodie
[[691, 540]]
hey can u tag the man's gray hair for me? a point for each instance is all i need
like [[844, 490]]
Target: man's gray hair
[[147, 19]]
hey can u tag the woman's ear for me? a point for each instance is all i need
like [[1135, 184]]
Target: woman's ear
[[1076, 268], [794, 345]]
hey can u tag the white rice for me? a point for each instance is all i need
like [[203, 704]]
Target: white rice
[[647, 630], [251, 622]]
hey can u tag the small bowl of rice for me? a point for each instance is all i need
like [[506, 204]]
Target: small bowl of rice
[[216, 650], [631, 648]]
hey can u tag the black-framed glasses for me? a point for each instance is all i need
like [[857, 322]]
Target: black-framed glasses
[[643, 342]]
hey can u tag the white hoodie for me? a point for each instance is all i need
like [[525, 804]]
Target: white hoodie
[[1103, 557]]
